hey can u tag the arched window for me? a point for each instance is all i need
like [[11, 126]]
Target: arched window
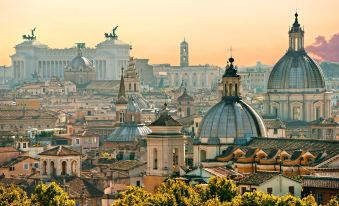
[[135, 87], [175, 155], [122, 117], [230, 89], [52, 170], [317, 113], [296, 113], [44, 166], [155, 159], [202, 155], [63, 168], [130, 87], [74, 167]]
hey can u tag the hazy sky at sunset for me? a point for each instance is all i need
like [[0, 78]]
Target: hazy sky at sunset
[[256, 29]]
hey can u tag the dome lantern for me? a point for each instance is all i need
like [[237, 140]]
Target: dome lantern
[[231, 81]]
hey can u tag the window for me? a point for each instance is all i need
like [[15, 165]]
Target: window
[[319, 197], [132, 156], [275, 131], [291, 190], [196, 124], [24, 145], [269, 190], [63, 168], [317, 113], [130, 87], [202, 155], [155, 159], [77, 141], [138, 183], [135, 87], [175, 156], [120, 156], [26, 166], [243, 190], [296, 113], [11, 168], [122, 117], [36, 165]]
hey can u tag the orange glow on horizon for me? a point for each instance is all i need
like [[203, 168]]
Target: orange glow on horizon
[[257, 29]]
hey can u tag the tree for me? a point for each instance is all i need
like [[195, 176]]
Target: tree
[[52, 195], [133, 196], [221, 188], [179, 192], [334, 201], [13, 195], [255, 199]]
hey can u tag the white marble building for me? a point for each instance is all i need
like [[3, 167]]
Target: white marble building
[[33, 56]]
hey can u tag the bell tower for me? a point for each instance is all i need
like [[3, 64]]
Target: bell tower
[[184, 54]]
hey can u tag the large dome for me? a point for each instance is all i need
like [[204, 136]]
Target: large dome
[[296, 70], [231, 121]]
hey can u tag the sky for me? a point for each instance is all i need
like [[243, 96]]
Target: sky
[[257, 30]]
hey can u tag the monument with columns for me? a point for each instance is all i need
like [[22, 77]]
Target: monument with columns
[[32, 56]]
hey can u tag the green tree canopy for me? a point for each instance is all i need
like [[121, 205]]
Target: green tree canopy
[[218, 192], [13, 195], [51, 195]]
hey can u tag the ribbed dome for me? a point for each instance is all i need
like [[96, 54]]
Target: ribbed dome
[[231, 121], [129, 132], [296, 70], [81, 63]]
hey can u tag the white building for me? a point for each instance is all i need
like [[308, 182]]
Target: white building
[[31, 56]]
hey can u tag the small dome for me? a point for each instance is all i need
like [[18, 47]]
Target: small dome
[[185, 97], [129, 132], [296, 70], [231, 121], [81, 63]]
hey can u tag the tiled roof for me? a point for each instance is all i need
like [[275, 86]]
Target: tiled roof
[[60, 151], [8, 149], [221, 171], [78, 187], [320, 182], [292, 145], [257, 178], [21, 114], [16, 160], [126, 164], [165, 120]]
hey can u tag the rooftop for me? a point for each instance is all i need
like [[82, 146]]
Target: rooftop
[[60, 151]]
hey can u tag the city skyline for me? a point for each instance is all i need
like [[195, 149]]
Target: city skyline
[[156, 33]]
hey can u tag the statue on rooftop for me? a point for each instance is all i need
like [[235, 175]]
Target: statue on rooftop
[[30, 37], [112, 35]]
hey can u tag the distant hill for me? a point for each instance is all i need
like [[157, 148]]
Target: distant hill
[[330, 69]]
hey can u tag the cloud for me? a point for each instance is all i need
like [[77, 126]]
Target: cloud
[[324, 50]]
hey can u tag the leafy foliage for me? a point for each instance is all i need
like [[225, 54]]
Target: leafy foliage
[[334, 201], [13, 195], [51, 194], [218, 192]]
